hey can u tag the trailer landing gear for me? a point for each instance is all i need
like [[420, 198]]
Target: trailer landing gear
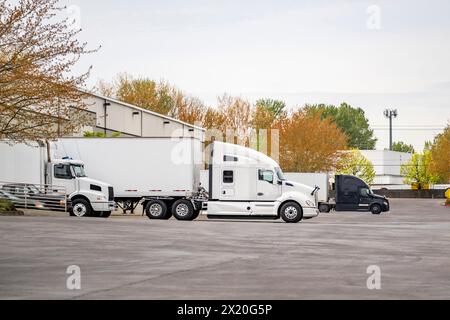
[[128, 205]]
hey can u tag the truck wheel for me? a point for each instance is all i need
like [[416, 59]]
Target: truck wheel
[[324, 208], [81, 208], [196, 214], [168, 214], [183, 210], [105, 214], [156, 209], [291, 212], [376, 208]]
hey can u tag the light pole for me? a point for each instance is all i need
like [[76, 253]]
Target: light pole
[[390, 114]]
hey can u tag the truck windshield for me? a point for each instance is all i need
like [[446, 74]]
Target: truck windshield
[[79, 171], [280, 174]]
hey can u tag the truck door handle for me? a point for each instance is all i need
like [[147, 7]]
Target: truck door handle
[[260, 194]]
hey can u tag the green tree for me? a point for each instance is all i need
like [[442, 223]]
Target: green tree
[[354, 163], [352, 121], [417, 170], [275, 107], [402, 147]]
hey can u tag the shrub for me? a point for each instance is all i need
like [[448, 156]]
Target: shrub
[[6, 206]]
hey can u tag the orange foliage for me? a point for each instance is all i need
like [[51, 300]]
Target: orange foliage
[[308, 143], [38, 97], [440, 154]]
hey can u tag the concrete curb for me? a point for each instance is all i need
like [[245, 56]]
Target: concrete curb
[[11, 213]]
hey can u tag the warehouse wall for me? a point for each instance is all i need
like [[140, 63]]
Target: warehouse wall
[[133, 121]]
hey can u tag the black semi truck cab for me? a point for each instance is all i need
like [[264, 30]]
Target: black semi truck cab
[[353, 194]]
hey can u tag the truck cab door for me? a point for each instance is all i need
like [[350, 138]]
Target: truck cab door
[[364, 198], [267, 187], [267, 191], [349, 200], [62, 176]]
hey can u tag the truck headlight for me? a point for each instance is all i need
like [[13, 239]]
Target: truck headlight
[[310, 203]]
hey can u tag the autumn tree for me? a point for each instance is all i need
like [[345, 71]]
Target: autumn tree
[[39, 98], [214, 119], [440, 156], [309, 143], [265, 114], [141, 92], [354, 163], [237, 119], [160, 97], [187, 108], [352, 121]]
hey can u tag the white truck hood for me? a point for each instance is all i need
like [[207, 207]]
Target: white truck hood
[[299, 187], [102, 184]]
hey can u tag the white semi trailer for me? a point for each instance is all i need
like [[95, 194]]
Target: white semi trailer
[[163, 174], [29, 164]]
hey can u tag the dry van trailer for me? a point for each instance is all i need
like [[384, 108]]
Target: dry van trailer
[[143, 170]]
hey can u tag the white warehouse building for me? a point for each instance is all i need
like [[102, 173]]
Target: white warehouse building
[[387, 165], [113, 116]]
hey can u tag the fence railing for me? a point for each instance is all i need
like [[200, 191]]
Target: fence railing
[[35, 196]]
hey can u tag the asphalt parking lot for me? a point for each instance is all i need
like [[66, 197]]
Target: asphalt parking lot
[[324, 258]]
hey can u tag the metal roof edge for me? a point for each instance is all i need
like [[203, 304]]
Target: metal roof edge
[[141, 109]]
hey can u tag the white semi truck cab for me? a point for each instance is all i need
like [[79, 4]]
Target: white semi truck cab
[[88, 197], [247, 183]]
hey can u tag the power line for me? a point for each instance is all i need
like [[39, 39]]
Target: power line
[[410, 129]]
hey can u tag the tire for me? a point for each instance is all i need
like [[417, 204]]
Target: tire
[[324, 208], [105, 214], [196, 214], [156, 210], [183, 210], [376, 209], [81, 208], [168, 215], [291, 212]]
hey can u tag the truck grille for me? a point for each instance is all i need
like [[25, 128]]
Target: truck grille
[[110, 194]]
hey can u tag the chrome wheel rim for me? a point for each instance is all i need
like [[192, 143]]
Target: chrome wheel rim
[[291, 212], [79, 210], [182, 210], [155, 210]]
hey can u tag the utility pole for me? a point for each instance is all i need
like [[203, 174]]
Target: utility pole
[[391, 114]]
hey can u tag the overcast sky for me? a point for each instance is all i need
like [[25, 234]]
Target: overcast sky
[[371, 54]]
